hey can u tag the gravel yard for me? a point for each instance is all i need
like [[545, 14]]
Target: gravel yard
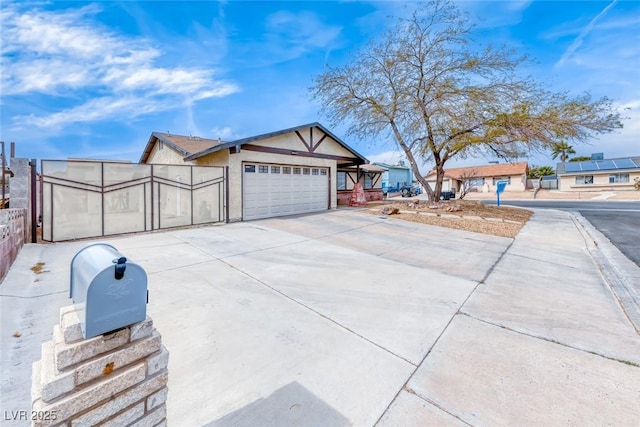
[[459, 214]]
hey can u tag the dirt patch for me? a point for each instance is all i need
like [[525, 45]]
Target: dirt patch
[[38, 268], [460, 214]]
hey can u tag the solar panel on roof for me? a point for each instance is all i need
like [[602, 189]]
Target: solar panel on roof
[[605, 165], [572, 167], [589, 166], [624, 163]]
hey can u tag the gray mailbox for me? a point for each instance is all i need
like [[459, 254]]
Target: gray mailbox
[[109, 290]]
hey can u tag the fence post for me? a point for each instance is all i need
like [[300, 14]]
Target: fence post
[[34, 201], [119, 378], [226, 194]]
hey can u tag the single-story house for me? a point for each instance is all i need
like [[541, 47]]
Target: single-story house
[[285, 172], [370, 176], [483, 178], [597, 175], [395, 176]]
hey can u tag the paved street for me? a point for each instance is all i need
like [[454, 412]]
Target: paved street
[[346, 318]]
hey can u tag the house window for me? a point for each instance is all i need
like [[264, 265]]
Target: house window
[[286, 170], [504, 178], [476, 182], [250, 168], [315, 171], [160, 145], [323, 172], [368, 181], [619, 178], [275, 169], [263, 169], [342, 180], [584, 179], [296, 171], [305, 171]]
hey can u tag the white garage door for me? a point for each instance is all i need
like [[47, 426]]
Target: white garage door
[[276, 190]]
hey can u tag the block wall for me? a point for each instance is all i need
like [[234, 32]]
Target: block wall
[[116, 379], [12, 226]]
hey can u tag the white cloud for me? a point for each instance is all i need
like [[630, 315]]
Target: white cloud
[[494, 14], [290, 35], [68, 51], [388, 157], [577, 42], [518, 5], [224, 133], [97, 109]]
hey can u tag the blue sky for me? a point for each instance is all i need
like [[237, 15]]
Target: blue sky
[[94, 79]]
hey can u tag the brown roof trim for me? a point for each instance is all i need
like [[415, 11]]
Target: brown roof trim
[[358, 157], [147, 149], [273, 150]]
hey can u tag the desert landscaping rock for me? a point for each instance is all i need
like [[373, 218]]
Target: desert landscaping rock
[[501, 221]]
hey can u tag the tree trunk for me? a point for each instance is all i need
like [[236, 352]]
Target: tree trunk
[[412, 160], [419, 177], [439, 178]]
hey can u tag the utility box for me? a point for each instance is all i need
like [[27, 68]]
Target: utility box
[[109, 290]]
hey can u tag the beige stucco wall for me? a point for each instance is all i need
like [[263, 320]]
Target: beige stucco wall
[[447, 184], [166, 156], [290, 141], [518, 183], [600, 181]]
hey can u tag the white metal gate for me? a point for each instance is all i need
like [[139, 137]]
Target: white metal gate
[[83, 199]]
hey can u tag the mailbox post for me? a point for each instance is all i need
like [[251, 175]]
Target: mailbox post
[[500, 186], [106, 364], [109, 290]]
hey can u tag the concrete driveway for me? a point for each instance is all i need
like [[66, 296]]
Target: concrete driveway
[[345, 318]]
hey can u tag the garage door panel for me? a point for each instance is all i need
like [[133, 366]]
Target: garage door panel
[[275, 190]]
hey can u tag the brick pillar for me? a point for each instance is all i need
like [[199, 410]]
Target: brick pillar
[[357, 196], [113, 379]]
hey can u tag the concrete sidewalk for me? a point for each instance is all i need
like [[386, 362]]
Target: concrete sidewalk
[[345, 318]]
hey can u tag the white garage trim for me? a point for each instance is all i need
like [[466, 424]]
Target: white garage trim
[[270, 190]]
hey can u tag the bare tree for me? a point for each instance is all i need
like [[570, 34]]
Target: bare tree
[[438, 96], [465, 181]]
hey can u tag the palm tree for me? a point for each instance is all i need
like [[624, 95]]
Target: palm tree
[[562, 149]]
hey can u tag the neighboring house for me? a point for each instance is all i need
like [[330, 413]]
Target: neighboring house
[[370, 176], [606, 174], [285, 172], [396, 176], [483, 178]]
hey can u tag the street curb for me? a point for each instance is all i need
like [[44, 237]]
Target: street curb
[[615, 268]]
